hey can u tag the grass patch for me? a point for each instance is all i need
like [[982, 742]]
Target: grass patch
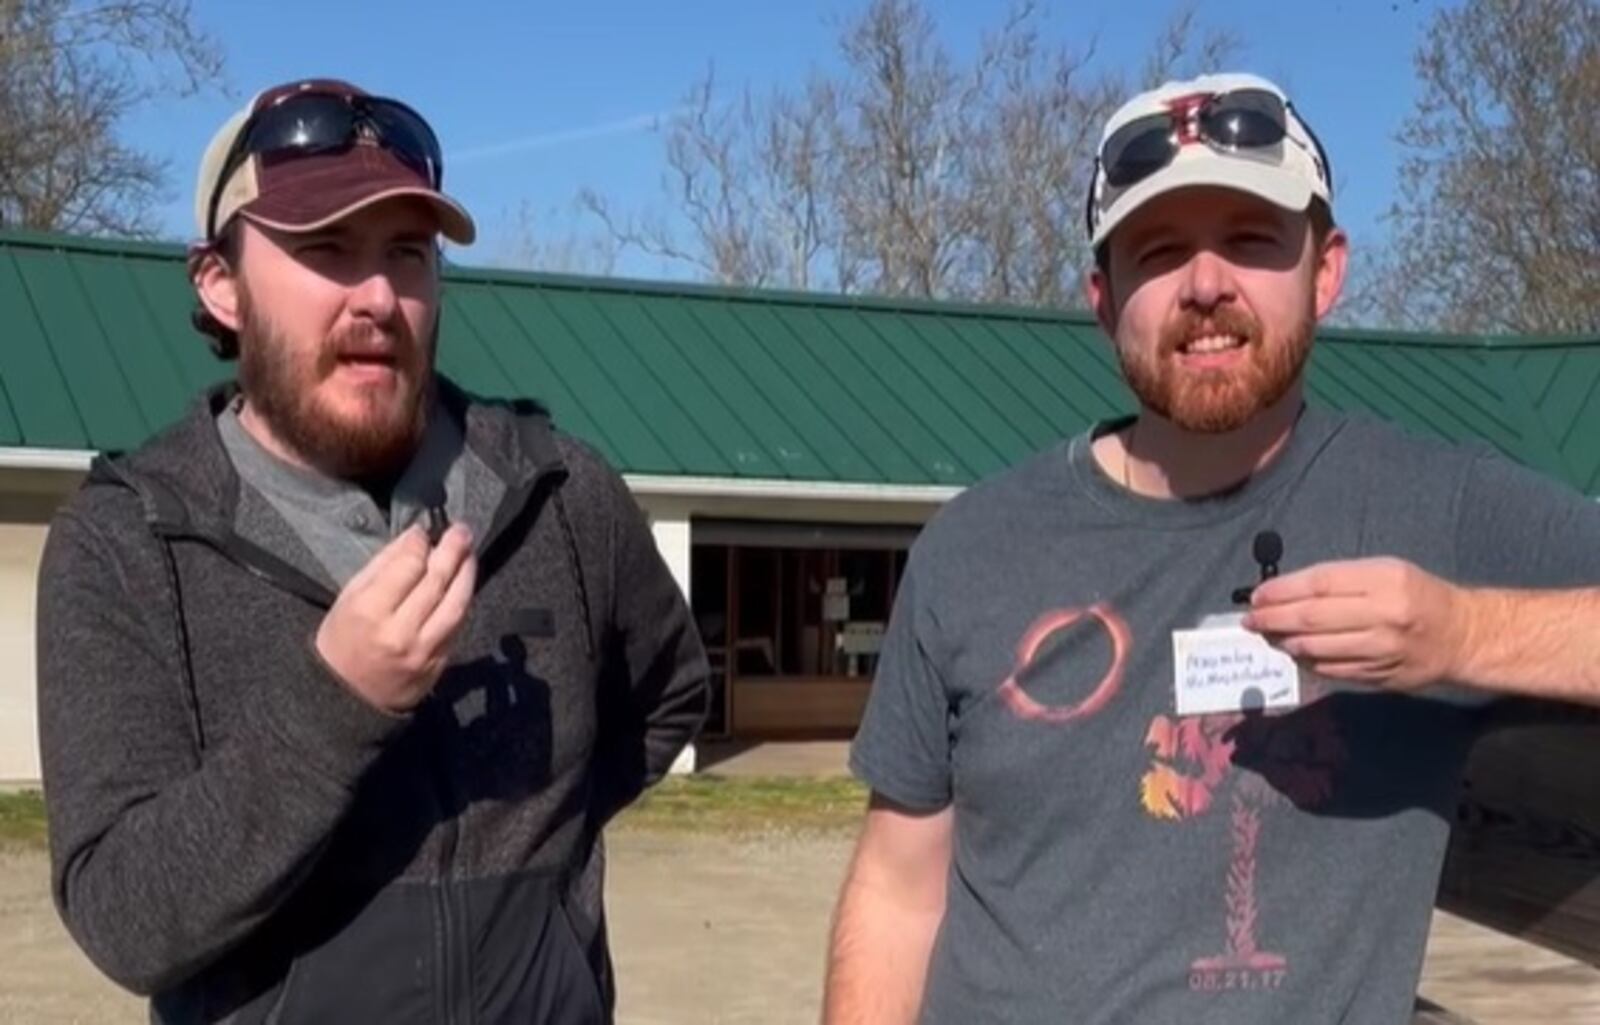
[[713, 804], [22, 819], [682, 804]]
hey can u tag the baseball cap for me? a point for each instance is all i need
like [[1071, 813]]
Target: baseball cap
[[1289, 172], [305, 191]]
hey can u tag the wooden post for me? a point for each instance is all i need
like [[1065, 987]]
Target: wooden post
[[730, 686]]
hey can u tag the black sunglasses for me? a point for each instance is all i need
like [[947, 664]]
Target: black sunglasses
[[306, 124], [1240, 119]]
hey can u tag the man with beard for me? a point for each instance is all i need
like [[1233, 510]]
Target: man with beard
[[1123, 769], [312, 754]]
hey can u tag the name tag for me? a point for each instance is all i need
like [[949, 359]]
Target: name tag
[[1221, 667]]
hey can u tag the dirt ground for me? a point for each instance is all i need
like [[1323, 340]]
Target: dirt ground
[[713, 931]]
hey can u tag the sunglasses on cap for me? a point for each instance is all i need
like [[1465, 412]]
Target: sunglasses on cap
[[312, 123], [1230, 122], [1239, 120]]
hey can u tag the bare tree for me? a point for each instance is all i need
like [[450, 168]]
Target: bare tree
[[751, 178], [1038, 121], [1498, 223], [909, 173], [69, 75], [551, 242], [901, 150]]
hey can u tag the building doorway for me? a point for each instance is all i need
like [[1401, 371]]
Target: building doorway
[[793, 618]]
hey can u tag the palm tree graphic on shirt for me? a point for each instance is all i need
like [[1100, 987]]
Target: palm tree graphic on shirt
[[1192, 762]]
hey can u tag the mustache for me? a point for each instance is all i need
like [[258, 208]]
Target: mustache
[[1225, 320], [370, 340]]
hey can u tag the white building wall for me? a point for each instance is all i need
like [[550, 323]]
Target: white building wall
[[27, 500], [669, 524], [20, 545]]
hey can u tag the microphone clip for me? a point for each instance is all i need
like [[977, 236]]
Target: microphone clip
[[438, 521], [1267, 549]]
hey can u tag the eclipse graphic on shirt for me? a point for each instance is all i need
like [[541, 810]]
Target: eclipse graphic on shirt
[[1025, 706]]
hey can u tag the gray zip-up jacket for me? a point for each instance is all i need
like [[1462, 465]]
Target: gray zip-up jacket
[[235, 833]]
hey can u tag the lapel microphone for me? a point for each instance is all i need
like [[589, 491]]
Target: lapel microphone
[[438, 520], [1266, 549]]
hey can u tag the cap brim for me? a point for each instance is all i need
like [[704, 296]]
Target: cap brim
[[455, 223], [1273, 183]]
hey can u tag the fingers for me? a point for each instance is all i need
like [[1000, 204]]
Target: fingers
[[388, 635], [1354, 645], [1332, 631], [442, 566], [450, 611], [1381, 620], [1325, 580], [1361, 670], [1312, 616], [391, 575]]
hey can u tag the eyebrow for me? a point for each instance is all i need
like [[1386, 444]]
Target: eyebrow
[[332, 233], [1257, 218], [1139, 240]]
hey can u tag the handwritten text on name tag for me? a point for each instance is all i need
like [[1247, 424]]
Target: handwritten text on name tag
[[1230, 669]]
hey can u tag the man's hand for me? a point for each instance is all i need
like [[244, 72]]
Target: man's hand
[[388, 636], [1377, 621]]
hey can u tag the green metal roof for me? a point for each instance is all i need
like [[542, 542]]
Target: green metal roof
[[96, 352]]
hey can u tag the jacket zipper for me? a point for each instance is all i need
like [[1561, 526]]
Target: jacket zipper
[[448, 919]]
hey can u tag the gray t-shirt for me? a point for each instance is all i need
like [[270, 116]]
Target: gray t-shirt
[[1114, 862], [334, 527]]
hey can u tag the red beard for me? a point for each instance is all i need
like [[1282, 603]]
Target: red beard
[[1217, 401], [374, 441]]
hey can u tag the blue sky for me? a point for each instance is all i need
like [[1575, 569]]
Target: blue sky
[[536, 100]]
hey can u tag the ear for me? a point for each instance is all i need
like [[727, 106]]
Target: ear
[[1098, 291], [1332, 263], [217, 285]]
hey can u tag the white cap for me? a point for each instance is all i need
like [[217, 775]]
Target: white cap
[[1288, 174]]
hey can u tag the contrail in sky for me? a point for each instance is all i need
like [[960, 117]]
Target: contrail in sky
[[549, 140]]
